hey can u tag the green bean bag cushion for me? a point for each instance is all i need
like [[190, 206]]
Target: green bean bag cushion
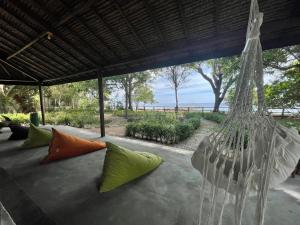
[[122, 166], [37, 137]]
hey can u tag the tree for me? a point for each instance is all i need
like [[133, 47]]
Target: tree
[[129, 83], [7, 104], [82, 94], [143, 94], [177, 77], [223, 74], [282, 59], [284, 93], [23, 98]]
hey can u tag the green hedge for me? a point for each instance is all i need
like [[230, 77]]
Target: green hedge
[[216, 117], [164, 128], [73, 118], [19, 118]]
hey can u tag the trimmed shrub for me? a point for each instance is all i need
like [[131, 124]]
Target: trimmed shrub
[[19, 118], [75, 118], [216, 117], [163, 127]]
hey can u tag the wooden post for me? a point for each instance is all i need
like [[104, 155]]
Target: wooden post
[[282, 113], [101, 104], [42, 104]]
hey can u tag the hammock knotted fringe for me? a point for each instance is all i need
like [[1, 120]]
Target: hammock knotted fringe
[[250, 151]]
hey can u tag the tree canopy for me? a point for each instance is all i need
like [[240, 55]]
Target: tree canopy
[[222, 74]]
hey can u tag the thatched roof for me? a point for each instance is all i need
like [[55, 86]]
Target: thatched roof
[[120, 36]]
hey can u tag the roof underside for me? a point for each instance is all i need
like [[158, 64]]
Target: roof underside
[[121, 36]]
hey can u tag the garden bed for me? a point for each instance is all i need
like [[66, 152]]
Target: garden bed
[[167, 128], [74, 118]]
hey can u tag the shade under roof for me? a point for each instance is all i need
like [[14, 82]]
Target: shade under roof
[[121, 36]]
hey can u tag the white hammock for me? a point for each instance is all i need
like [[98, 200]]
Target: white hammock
[[249, 151]]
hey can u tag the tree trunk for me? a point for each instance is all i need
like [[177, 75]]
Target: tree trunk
[[176, 98], [217, 104], [130, 94], [126, 102]]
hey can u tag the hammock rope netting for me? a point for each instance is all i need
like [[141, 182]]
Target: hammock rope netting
[[249, 152]]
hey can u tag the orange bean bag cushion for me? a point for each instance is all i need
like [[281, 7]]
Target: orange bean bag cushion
[[65, 146]]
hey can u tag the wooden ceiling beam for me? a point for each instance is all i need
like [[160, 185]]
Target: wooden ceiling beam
[[49, 27], [20, 61], [155, 23], [72, 75], [183, 21], [82, 41], [40, 61], [19, 70], [42, 73], [77, 10], [91, 30], [5, 70], [216, 16], [28, 45], [18, 82], [71, 63], [130, 26], [44, 49], [111, 30]]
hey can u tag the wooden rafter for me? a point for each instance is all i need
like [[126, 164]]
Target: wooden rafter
[[19, 70], [45, 48], [83, 42], [4, 69], [156, 25], [90, 30], [184, 23], [215, 16], [46, 26], [22, 81], [111, 30], [77, 10], [38, 48], [176, 32], [25, 55], [72, 75], [35, 69], [29, 44], [130, 26]]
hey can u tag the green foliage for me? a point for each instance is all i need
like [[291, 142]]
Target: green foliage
[[19, 118], [163, 127], [221, 74], [129, 83], [21, 98], [216, 117], [143, 94], [75, 118], [288, 122], [284, 93]]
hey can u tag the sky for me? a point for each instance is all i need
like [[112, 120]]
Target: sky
[[195, 91]]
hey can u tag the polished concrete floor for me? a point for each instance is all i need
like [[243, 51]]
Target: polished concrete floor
[[67, 190]]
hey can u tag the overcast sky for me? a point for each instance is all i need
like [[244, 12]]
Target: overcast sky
[[196, 90]]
